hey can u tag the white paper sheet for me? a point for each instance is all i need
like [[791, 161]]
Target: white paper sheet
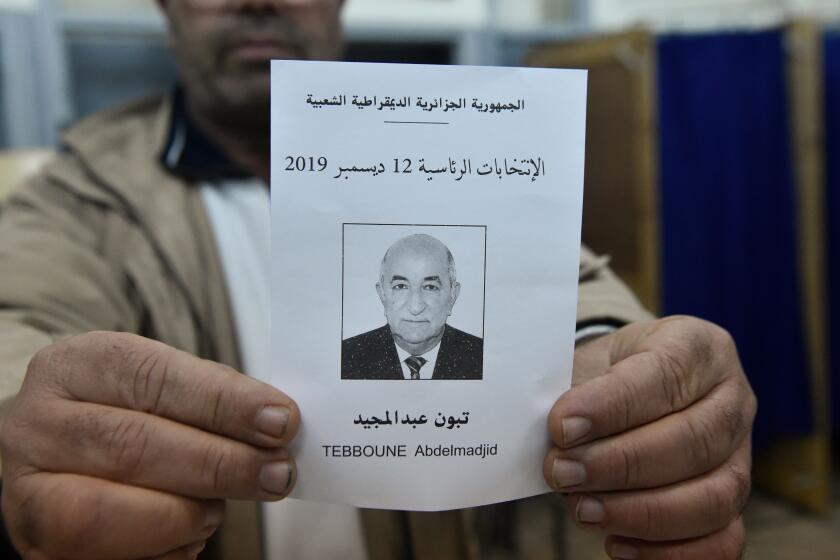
[[486, 163]]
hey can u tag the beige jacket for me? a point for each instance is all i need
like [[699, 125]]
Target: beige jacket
[[103, 238]]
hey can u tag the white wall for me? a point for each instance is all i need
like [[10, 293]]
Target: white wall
[[108, 6], [411, 13], [17, 4], [701, 14]]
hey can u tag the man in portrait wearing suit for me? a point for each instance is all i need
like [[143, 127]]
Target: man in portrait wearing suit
[[418, 288]]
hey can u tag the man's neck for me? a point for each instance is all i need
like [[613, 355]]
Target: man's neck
[[245, 145]]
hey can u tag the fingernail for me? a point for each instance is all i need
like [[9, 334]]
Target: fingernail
[[590, 510], [214, 515], [620, 551], [567, 473], [574, 429], [275, 478], [195, 549], [272, 421]]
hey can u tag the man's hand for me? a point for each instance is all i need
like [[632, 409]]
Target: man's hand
[[121, 447], [653, 442]]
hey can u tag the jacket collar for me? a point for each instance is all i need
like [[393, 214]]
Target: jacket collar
[[189, 153]]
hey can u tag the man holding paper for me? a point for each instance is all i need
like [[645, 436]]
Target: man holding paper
[[418, 288], [117, 446]]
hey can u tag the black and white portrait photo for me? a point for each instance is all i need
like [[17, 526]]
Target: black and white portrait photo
[[414, 283]]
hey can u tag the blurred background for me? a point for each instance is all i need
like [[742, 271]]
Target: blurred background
[[712, 174]]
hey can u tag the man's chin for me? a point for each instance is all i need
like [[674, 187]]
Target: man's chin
[[247, 82], [415, 341], [244, 99], [417, 338]]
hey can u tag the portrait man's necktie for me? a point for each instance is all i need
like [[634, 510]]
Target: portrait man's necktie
[[414, 364]]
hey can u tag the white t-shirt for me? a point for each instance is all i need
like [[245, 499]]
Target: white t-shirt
[[240, 214]]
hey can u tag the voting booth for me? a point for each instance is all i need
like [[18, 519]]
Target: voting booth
[[705, 183], [620, 216]]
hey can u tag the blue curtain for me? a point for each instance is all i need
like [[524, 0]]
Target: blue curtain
[[832, 122], [728, 213]]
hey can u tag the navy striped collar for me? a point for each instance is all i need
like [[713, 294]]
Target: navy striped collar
[[189, 153]]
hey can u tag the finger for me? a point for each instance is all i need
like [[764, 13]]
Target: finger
[[690, 509], [727, 544], [662, 379], [144, 450], [72, 516], [678, 447], [129, 371], [189, 552]]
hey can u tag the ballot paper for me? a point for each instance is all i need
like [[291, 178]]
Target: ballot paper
[[425, 253]]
